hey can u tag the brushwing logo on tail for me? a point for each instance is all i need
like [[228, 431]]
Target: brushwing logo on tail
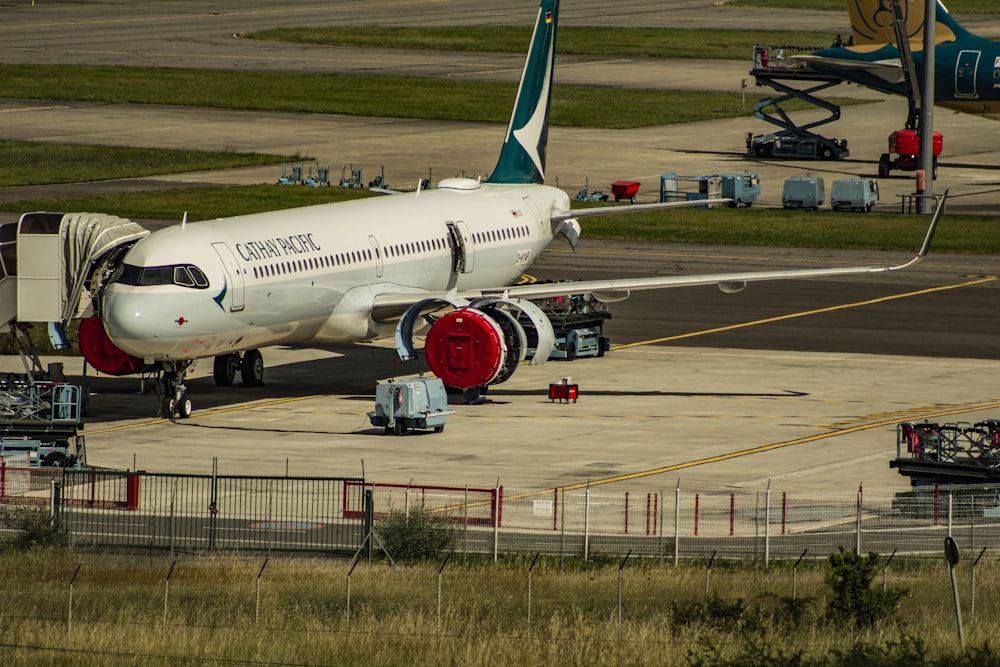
[[529, 135]]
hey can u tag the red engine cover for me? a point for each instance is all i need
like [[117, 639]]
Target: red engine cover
[[101, 353], [465, 348]]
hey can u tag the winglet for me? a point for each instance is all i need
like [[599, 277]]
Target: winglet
[[522, 159], [928, 237]]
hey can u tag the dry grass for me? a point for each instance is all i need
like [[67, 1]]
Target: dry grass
[[123, 610]]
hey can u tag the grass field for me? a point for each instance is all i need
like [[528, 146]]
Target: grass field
[[770, 227], [303, 611]]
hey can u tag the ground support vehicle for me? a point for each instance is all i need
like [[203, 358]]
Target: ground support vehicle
[[955, 453], [40, 423], [803, 192], [625, 190], [771, 68], [954, 469], [691, 188], [854, 194], [413, 403], [743, 188], [584, 194], [905, 145], [578, 324]]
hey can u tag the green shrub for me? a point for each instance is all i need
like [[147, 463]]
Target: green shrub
[[419, 534], [37, 529], [854, 600]]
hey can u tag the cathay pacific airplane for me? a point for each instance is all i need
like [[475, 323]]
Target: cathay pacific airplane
[[966, 69], [445, 258]]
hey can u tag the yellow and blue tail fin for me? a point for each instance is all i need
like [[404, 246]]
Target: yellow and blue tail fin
[[871, 23]]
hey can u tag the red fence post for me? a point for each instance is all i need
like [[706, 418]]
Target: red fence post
[[784, 510], [626, 512], [132, 491]]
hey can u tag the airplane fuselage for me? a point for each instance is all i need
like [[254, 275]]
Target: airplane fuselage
[[312, 274], [966, 74]]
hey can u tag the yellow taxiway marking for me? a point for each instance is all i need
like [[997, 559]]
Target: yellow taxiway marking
[[790, 316], [206, 413], [991, 404]]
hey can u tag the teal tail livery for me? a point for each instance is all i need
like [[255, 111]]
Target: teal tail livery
[[967, 67], [522, 159], [445, 262]]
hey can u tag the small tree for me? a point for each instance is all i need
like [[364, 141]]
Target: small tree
[[419, 534], [854, 599]]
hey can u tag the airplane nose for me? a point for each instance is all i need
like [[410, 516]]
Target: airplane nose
[[129, 322]]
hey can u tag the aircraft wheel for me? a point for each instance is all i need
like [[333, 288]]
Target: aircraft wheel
[[570, 351], [183, 407], [252, 368], [226, 367], [438, 429], [400, 428]]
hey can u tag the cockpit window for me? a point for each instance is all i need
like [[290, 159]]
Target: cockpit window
[[185, 275]]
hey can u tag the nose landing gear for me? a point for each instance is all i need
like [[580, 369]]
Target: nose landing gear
[[175, 403]]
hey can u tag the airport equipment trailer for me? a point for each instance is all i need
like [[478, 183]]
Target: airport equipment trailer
[[413, 403]]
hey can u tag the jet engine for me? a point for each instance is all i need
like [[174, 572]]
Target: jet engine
[[481, 343]]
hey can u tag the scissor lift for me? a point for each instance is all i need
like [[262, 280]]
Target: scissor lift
[[793, 140]]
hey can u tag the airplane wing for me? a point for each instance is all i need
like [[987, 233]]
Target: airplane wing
[[890, 71], [391, 305]]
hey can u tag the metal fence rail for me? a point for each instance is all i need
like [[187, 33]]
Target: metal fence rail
[[102, 508]]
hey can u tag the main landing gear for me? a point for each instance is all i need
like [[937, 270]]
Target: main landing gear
[[175, 403], [250, 366]]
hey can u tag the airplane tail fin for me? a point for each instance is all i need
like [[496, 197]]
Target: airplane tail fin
[[522, 159], [871, 23]]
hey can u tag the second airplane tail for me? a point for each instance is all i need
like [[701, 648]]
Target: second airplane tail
[[871, 23]]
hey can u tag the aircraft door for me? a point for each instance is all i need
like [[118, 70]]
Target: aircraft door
[[377, 251], [234, 275], [534, 211], [462, 255], [965, 73]]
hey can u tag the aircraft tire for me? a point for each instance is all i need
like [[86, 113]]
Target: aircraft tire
[[225, 369], [252, 368], [184, 407]]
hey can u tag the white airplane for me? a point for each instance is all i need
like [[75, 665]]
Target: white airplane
[[355, 271]]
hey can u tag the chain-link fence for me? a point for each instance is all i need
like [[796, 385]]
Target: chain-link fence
[[105, 508]]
